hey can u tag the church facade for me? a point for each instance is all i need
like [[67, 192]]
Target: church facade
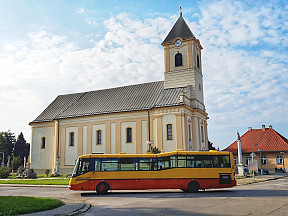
[[168, 114]]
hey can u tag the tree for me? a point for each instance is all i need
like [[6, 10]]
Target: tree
[[154, 150], [16, 163], [20, 147], [10, 142], [3, 148]]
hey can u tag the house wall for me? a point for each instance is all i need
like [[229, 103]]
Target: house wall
[[271, 160]]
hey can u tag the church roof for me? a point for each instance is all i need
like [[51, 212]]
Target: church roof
[[180, 29], [266, 139], [122, 99]]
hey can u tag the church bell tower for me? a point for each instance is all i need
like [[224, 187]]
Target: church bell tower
[[182, 56]]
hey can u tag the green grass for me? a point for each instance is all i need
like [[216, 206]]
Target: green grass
[[15, 205], [37, 181]]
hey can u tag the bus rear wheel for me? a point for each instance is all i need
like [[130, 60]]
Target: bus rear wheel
[[102, 188], [193, 187]]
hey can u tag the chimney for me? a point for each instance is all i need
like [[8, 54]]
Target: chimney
[[270, 126], [263, 127], [249, 128]]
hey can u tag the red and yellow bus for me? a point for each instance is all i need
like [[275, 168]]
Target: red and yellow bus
[[185, 170]]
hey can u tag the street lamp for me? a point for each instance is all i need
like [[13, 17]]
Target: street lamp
[[260, 150]]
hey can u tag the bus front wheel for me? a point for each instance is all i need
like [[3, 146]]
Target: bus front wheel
[[102, 188], [193, 187]]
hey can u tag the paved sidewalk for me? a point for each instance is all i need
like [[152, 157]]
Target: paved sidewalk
[[260, 178], [65, 210]]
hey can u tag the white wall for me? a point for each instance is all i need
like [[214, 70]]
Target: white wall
[[169, 145], [129, 148], [71, 151], [42, 158], [100, 148]]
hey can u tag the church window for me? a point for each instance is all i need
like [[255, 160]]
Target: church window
[[199, 87], [198, 62], [189, 132], [169, 132], [71, 139], [202, 133], [43, 142], [129, 135], [178, 59], [99, 137]]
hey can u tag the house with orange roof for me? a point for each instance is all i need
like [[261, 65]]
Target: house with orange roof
[[270, 147]]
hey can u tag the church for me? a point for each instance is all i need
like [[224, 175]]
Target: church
[[168, 114]]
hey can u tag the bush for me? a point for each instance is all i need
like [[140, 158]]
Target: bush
[[4, 172], [16, 162]]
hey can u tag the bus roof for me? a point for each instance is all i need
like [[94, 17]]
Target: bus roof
[[149, 155]]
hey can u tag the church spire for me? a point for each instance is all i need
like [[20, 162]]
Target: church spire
[[180, 29]]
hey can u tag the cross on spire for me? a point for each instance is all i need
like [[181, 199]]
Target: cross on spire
[[180, 10]]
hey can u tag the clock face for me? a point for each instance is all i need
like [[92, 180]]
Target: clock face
[[178, 43]]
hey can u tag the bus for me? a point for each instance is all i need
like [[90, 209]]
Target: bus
[[185, 170]]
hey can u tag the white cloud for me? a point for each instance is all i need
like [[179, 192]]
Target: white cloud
[[34, 72], [81, 11]]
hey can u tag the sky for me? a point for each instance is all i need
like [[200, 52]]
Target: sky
[[51, 48]]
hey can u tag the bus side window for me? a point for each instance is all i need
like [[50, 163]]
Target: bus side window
[[164, 163], [97, 165], [191, 161], [181, 161]]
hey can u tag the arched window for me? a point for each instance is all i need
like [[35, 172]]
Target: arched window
[[178, 59], [43, 142], [198, 62], [128, 135]]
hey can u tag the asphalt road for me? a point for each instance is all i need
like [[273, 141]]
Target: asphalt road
[[265, 198]]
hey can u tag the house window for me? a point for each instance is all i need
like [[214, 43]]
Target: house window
[[235, 160], [128, 135], [198, 62], [178, 59], [263, 160], [43, 142], [279, 159], [71, 139], [99, 137], [248, 158], [169, 132], [202, 133]]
